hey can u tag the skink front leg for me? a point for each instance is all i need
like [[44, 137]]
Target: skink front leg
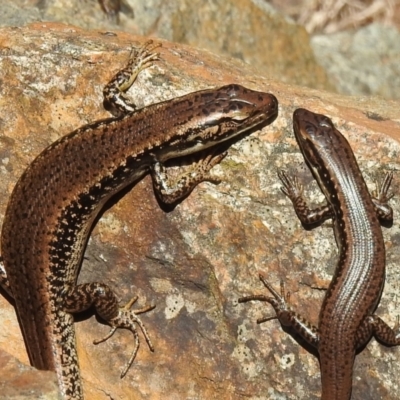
[[115, 99], [171, 189], [381, 197], [294, 190]]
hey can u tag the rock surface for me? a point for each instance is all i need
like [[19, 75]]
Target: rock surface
[[19, 381], [195, 261], [362, 61], [366, 61], [250, 30]]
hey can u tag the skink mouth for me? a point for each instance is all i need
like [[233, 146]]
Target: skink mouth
[[257, 121]]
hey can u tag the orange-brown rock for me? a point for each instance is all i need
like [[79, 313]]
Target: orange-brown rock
[[195, 261]]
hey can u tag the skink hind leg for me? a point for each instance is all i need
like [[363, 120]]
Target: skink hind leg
[[286, 316], [170, 189], [106, 304], [127, 319], [375, 326]]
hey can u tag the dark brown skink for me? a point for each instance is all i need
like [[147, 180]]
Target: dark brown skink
[[346, 319], [55, 202]]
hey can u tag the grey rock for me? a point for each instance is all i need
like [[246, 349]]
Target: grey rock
[[366, 61]]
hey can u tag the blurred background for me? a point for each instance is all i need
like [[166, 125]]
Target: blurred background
[[350, 47]]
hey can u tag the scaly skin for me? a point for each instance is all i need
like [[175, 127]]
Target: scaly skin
[[54, 203], [346, 319]]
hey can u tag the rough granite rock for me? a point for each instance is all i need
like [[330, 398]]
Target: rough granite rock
[[250, 30], [196, 260]]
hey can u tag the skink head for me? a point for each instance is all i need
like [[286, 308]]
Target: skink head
[[315, 134], [210, 117]]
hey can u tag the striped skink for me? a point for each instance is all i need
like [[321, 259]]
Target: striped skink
[[346, 320]]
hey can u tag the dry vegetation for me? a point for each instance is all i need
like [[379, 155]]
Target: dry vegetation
[[328, 16]]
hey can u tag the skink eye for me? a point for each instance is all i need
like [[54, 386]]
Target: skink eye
[[325, 123]]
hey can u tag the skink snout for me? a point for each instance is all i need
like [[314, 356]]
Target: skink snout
[[272, 101]]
